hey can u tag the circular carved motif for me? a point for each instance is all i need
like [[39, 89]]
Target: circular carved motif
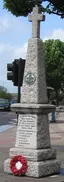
[[30, 78]]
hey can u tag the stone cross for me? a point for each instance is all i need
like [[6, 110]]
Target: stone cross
[[35, 18]]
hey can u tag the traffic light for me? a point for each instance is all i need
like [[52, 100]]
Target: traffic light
[[16, 71], [21, 66], [12, 73]]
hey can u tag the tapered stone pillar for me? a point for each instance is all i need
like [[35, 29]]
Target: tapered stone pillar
[[33, 137]]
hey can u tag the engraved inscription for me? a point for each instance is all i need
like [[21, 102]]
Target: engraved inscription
[[27, 123], [27, 131]]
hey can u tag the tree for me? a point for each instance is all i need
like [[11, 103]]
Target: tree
[[54, 60], [4, 94], [3, 89], [24, 7]]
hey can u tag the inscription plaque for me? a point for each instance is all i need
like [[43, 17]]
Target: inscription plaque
[[26, 131]]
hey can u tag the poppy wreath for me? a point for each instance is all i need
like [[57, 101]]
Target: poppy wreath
[[18, 165]]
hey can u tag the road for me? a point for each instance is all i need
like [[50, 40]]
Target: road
[[7, 118]]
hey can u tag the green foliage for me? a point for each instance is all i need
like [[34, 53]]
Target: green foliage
[[3, 89], [4, 94], [23, 7], [55, 7], [60, 96], [54, 60], [20, 7]]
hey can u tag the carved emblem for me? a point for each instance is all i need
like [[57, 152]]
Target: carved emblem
[[30, 78]]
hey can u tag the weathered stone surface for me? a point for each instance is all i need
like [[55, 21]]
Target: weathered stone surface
[[37, 92], [41, 169], [34, 155], [33, 131], [37, 169], [32, 108], [36, 15], [7, 166]]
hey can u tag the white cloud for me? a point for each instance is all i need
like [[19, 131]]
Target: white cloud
[[21, 51], [13, 51], [56, 34], [4, 24], [14, 27]]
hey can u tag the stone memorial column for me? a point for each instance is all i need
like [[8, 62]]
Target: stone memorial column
[[32, 137]]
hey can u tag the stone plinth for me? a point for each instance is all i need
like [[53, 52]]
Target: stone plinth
[[32, 108], [33, 125], [32, 131], [34, 155], [37, 169], [33, 142]]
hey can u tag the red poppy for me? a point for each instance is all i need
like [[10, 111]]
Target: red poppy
[[18, 165]]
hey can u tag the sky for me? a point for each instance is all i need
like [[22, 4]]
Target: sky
[[14, 35]]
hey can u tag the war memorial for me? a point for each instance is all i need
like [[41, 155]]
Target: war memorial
[[33, 137]]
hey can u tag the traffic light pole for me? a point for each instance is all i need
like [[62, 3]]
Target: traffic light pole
[[19, 87], [19, 73], [18, 94]]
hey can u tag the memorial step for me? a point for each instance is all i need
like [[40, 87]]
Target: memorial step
[[37, 169], [34, 155]]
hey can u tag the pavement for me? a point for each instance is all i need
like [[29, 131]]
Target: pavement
[[7, 141]]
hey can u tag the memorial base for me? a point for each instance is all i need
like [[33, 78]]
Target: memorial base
[[33, 141], [37, 169]]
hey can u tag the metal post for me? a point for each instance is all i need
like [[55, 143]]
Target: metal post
[[19, 72], [18, 93]]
